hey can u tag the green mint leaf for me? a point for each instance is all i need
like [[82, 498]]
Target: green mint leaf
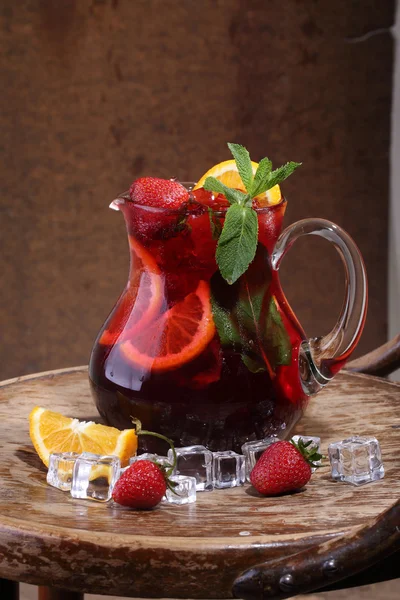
[[277, 344], [227, 332], [233, 196], [215, 224], [281, 174], [261, 177], [238, 242], [254, 365], [243, 163], [252, 294], [249, 306]]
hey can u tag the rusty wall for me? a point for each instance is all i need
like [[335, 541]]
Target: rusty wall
[[97, 92]]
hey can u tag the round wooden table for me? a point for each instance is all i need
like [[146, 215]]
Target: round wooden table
[[229, 543]]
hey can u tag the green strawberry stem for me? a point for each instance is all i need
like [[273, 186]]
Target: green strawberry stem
[[170, 442], [310, 454], [140, 431]]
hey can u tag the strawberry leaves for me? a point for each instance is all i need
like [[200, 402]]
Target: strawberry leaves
[[309, 452]]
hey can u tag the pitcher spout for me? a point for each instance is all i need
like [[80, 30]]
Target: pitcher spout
[[119, 201], [115, 204]]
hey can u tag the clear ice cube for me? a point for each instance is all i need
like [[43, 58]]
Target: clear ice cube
[[253, 450], [162, 460], [184, 492], [61, 466], [356, 460], [316, 444], [228, 469], [194, 461], [94, 476]]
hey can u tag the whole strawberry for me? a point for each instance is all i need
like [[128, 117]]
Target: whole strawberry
[[283, 467], [142, 485], [158, 193]]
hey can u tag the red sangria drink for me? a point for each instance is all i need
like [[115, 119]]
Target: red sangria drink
[[202, 345]]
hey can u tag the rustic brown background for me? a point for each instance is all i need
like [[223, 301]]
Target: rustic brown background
[[97, 92]]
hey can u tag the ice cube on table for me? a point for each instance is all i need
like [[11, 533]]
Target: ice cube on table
[[184, 492], [316, 444], [61, 466], [228, 469], [94, 476], [162, 460], [356, 460], [194, 461], [253, 450]]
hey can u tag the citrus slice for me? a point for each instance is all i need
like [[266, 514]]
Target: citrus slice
[[52, 432], [142, 298], [227, 173], [177, 337]]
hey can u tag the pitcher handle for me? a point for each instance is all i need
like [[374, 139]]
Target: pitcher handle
[[321, 358]]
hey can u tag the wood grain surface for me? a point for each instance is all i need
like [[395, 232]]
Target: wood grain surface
[[194, 551], [98, 92]]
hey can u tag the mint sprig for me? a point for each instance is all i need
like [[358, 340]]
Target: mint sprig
[[237, 243]]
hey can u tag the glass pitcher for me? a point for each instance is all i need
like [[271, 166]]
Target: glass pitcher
[[205, 362]]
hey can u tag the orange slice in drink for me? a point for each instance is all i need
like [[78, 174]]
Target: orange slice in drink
[[52, 432], [227, 173], [177, 337], [141, 301]]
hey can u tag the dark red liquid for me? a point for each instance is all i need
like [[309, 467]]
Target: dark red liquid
[[242, 380]]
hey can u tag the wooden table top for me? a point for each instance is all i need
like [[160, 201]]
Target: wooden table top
[[197, 550]]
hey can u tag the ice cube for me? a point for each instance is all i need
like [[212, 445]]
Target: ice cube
[[161, 460], [94, 476], [315, 444], [61, 465], [194, 461], [228, 469], [184, 492], [356, 460], [253, 450]]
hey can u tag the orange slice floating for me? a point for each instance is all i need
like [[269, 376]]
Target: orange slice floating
[[141, 301], [177, 337], [227, 173]]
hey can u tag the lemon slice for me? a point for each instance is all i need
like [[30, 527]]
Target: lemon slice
[[52, 432], [227, 173]]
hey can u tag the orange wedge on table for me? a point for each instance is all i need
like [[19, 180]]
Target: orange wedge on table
[[176, 337], [52, 432], [142, 299], [227, 173]]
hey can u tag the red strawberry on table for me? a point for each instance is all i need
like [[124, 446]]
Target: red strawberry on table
[[142, 485], [158, 193], [284, 467]]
